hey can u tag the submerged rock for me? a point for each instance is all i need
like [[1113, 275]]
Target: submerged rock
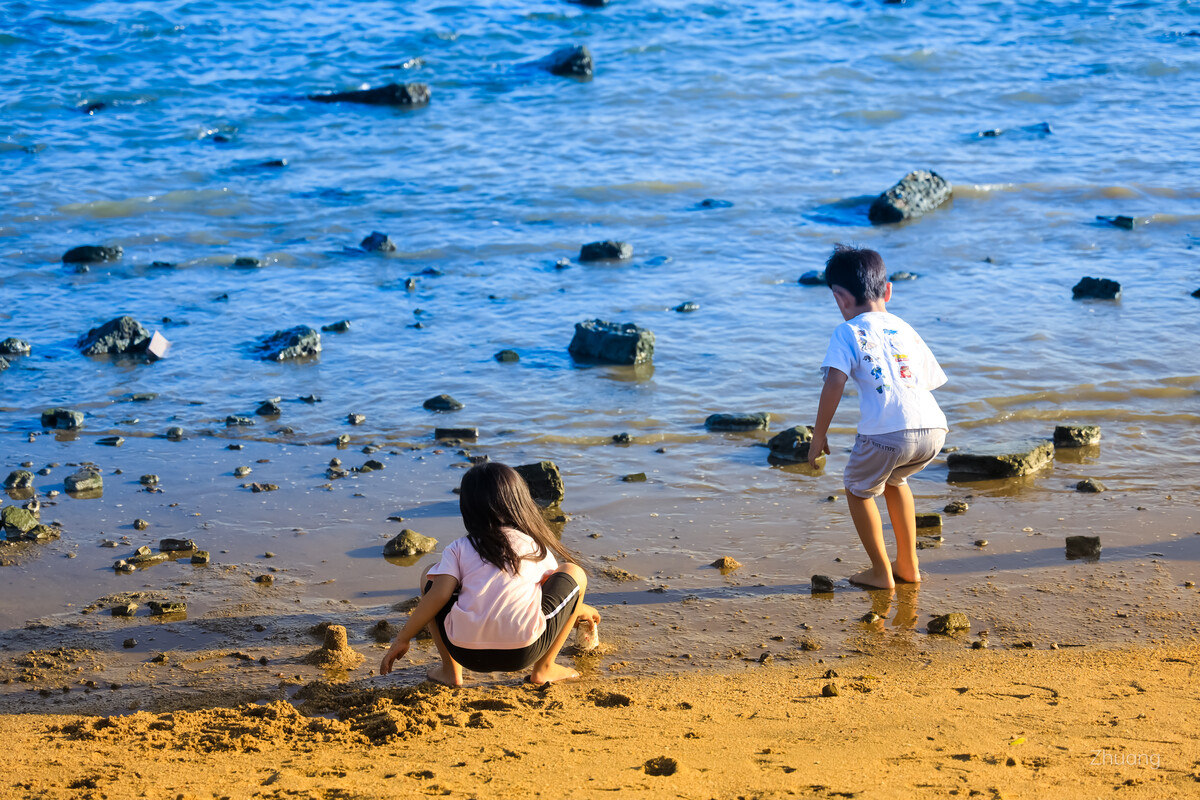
[[507, 357], [297, 342], [1090, 486], [1128, 223], [85, 480], [268, 408], [949, 623], [608, 250], [813, 278], [1096, 289], [571, 60], [1083, 547], [393, 94], [634, 477], [612, 342], [1076, 435], [378, 242], [443, 402], [1007, 460], [545, 482], [120, 336], [92, 254], [917, 193], [903, 276], [336, 652], [686, 308], [456, 433], [12, 346], [758, 420], [62, 419], [822, 584], [409, 543], [175, 433], [342, 326], [710, 202], [247, 262], [21, 479]]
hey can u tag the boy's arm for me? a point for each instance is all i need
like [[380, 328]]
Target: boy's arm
[[431, 603], [831, 395]]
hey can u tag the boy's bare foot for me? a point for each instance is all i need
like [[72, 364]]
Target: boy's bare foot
[[444, 675], [869, 579], [552, 674], [905, 575]]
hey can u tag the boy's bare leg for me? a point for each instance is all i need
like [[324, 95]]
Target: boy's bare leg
[[545, 670], [865, 514], [902, 512], [449, 672]]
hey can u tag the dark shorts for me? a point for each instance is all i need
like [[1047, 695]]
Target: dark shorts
[[560, 597]]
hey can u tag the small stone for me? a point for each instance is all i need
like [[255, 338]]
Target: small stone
[[1076, 435], [176, 545], [469, 434], [409, 543], [1096, 289], [956, 507], [791, 444], [917, 193], [12, 346], [443, 402], [507, 357], [175, 434], [140, 524], [148, 480], [121, 565], [247, 262], [265, 579], [91, 254], [1083, 547], [896, 277], [378, 242], [870, 617], [979, 644], [1007, 460], [342, 326], [342, 440], [759, 420], [708, 202], [949, 623], [544, 481], [298, 342], [726, 564], [608, 250], [1090, 486], [84, 481], [829, 690], [268, 409], [235, 421], [62, 419], [129, 644], [356, 419], [622, 438], [408, 95], [200, 557], [371, 465], [812, 278], [660, 766], [981, 542], [161, 608], [634, 477], [1128, 223], [929, 520], [686, 308], [124, 610], [263, 487], [822, 584], [573, 61], [19, 479]]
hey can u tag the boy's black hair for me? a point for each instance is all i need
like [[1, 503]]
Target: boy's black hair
[[857, 270]]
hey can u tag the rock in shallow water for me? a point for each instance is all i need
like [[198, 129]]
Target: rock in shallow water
[[19, 479], [85, 480], [393, 94], [120, 336], [956, 507], [545, 482], [917, 193], [758, 420], [1096, 289], [822, 584], [1076, 435], [813, 278], [92, 254], [949, 623], [1006, 460], [1083, 546], [12, 346], [929, 520], [378, 242], [571, 61], [409, 543], [62, 419], [298, 342], [612, 342], [608, 250], [343, 326], [443, 402], [1090, 486], [507, 357]]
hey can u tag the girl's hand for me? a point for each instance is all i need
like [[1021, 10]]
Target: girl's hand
[[816, 448], [589, 613], [397, 650]]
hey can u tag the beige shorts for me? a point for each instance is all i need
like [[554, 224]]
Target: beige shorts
[[890, 458]]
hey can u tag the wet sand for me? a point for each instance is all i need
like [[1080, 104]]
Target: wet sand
[[991, 724]]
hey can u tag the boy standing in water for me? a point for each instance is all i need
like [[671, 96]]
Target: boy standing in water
[[901, 428]]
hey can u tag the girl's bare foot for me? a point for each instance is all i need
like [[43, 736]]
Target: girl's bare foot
[[870, 579], [906, 575], [444, 675], [552, 674]]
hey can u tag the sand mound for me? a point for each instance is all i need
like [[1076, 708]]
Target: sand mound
[[336, 653]]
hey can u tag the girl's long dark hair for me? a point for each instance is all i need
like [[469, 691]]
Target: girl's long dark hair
[[493, 496]]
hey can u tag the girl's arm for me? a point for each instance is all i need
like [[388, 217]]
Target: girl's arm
[[431, 603], [831, 395]]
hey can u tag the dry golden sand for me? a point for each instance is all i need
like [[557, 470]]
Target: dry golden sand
[[1044, 724]]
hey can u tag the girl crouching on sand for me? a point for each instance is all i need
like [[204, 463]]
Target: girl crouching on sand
[[498, 601]]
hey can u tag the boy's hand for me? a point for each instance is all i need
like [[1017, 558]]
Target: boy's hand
[[818, 447], [589, 613], [397, 650]]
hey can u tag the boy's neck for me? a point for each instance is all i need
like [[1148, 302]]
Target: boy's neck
[[862, 308]]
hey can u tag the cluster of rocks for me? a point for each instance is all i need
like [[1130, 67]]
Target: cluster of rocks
[[168, 550]]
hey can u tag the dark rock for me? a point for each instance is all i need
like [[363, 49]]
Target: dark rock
[[791, 444], [410, 284], [378, 242], [622, 438], [545, 482], [903, 276], [274, 163], [62, 419], [201, 557], [3, 363], [507, 357], [393, 94], [822, 584], [1128, 223], [144, 557], [709, 202], [813, 278], [443, 402], [85, 480], [263, 487], [634, 477], [949, 623], [409, 63], [456, 433], [758, 420], [12, 346], [21, 479], [297, 342], [659, 766], [371, 465], [269, 408], [247, 262], [917, 193], [1090, 486], [265, 579], [234, 421], [956, 507], [1083, 547], [607, 250], [1007, 460], [685, 308], [162, 607], [929, 520], [356, 419], [1096, 289], [125, 610], [176, 545], [111, 441], [829, 690], [612, 342], [92, 254], [870, 618], [123, 335], [175, 433], [337, 327], [1196, 293], [572, 60], [1076, 435], [409, 543], [143, 397]]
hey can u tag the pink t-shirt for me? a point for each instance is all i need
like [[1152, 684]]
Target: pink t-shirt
[[496, 610]]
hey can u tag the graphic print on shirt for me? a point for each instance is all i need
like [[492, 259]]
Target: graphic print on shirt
[[892, 351]]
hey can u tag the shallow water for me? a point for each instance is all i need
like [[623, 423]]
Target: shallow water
[[796, 113]]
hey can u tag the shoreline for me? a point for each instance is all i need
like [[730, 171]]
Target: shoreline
[[1070, 724]]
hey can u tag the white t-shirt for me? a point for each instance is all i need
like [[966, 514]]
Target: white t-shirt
[[894, 369], [496, 610]]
